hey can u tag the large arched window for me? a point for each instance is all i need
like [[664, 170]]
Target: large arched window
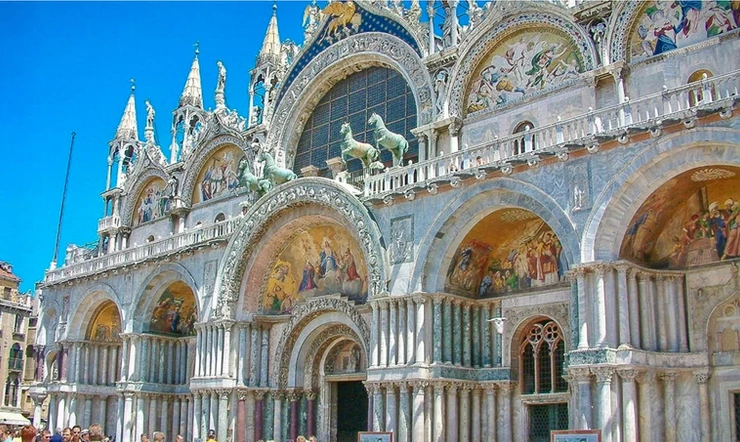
[[15, 362], [700, 93], [353, 100]]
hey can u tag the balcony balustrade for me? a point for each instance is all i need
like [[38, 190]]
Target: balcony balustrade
[[145, 252], [109, 222], [649, 112]]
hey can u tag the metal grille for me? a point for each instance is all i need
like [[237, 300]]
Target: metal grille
[[374, 90], [528, 369], [544, 418]]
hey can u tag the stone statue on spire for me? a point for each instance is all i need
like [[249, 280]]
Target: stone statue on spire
[[149, 115], [221, 78]]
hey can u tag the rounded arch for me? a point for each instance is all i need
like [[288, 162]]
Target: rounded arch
[[132, 197], [86, 306], [105, 323], [349, 55], [616, 205], [502, 22], [448, 230], [306, 325], [47, 326], [324, 351], [723, 326], [320, 192], [151, 289], [198, 160]]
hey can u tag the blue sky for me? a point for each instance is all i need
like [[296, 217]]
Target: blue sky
[[66, 67]]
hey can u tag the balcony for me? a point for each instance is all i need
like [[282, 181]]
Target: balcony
[[152, 250], [715, 94], [109, 222]]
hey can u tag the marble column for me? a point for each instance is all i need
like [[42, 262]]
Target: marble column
[[421, 354], [241, 418], [681, 305], [259, 397], [634, 308], [477, 424], [277, 423], [197, 415], [383, 305], [243, 355], [466, 336], [177, 404], [438, 424], [584, 308], [464, 417], [198, 351], [599, 311], [583, 377], [706, 428], [447, 331], [392, 333], [87, 418], [418, 434], [476, 341], [374, 336], [72, 419], [294, 396], [401, 340], [264, 357], [669, 404], [128, 415], [505, 433], [391, 408], [457, 333], [485, 336], [437, 331], [254, 356], [490, 427], [378, 408], [152, 421], [644, 386], [223, 414], [671, 306], [661, 321], [404, 413], [629, 403], [228, 365], [165, 415], [623, 296], [219, 351], [603, 384], [38, 402], [647, 312], [311, 412], [410, 312], [213, 412]]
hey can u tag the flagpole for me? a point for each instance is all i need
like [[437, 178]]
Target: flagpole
[[61, 209]]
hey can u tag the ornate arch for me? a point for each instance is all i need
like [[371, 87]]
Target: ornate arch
[[618, 29], [294, 194], [86, 306], [308, 316], [655, 164], [197, 161], [149, 290], [131, 197], [321, 345], [468, 208], [347, 56], [511, 18]]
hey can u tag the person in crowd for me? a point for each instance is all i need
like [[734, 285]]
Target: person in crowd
[[158, 436], [45, 436], [179, 438], [95, 433], [300, 439], [28, 433], [5, 435], [67, 434], [57, 437], [211, 434]]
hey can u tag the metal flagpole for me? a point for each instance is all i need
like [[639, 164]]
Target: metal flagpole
[[61, 209]]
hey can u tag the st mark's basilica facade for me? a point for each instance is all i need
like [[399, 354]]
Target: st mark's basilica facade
[[512, 218]]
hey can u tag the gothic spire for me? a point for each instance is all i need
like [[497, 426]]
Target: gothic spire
[[127, 129], [271, 44], [192, 94]]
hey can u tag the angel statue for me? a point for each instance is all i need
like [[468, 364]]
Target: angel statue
[[311, 18], [149, 114], [221, 77]]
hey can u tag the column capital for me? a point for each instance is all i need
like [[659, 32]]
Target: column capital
[[644, 276], [668, 376], [627, 374], [581, 375], [702, 376], [645, 377], [603, 374], [311, 394], [506, 387], [489, 388], [294, 395], [259, 394], [466, 387], [419, 385]]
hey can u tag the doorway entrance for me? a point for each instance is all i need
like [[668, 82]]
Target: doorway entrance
[[351, 406]]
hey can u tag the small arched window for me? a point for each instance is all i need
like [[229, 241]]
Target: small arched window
[[542, 353], [150, 238], [220, 217], [702, 92], [525, 142]]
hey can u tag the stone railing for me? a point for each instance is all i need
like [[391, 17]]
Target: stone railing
[[646, 113], [109, 222], [144, 252]]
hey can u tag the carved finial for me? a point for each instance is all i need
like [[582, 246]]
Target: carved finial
[[133, 84], [197, 48]]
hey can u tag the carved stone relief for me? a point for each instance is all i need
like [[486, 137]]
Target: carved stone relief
[[402, 239]]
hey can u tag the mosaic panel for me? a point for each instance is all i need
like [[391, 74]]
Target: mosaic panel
[[153, 203]]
